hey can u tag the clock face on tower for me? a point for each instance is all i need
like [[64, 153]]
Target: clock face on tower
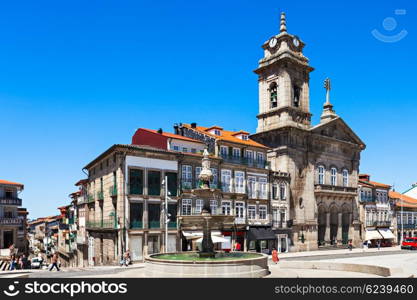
[[296, 42], [272, 42]]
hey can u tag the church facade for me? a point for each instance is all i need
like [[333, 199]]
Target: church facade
[[322, 160]]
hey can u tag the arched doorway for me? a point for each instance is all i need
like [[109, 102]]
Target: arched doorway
[[334, 224], [321, 230]]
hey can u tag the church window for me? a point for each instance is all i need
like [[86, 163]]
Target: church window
[[321, 175], [333, 176], [345, 175], [273, 95], [296, 95]]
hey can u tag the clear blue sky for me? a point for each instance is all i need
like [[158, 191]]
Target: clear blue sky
[[79, 76]]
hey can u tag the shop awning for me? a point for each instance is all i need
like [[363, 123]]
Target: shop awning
[[215, 239], [191, 235], [372, 234], [386, 233], [261, 234]]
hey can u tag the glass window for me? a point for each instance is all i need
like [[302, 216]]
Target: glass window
[[275, 191], [199, 203], [249, 155], [213, 183], [226, 208], [333, 176], [186, 207], [186, 176], [224, 151], [236, 152], [263, 188], [172, 183], [135, 182], [260, 156], [282, 191], [252, 187], [176, 148], [321, 175], [193, 150], [213, 207], [217, 132], [345, 174], [226, 177], [244, 137], [262, 212], [154, 183], [251, 212], [239, 182], [240, 210], [184, 149], [197, 173]]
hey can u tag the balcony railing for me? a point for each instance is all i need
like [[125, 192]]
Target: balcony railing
[[279, 224], [100, 195], [186, 185], [245, 161], [136, 225], [113, 191], [90, 198], [407, 226], [154, 224], [10, 221], [334, 188], [172, 225], [382, 223], [367, 199], [102, 224], [10, 201]]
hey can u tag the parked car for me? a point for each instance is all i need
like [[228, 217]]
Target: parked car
[[36, 263], [409, 243]]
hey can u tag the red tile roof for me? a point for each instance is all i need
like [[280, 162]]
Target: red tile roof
[[10, 183], [226, 135], [405, 201]]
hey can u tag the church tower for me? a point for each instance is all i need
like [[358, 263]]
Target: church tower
[[283, 83]]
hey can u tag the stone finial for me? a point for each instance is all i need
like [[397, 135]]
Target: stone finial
[[283, 26], [328, 112]]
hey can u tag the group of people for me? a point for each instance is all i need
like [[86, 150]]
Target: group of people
[[18, 262]]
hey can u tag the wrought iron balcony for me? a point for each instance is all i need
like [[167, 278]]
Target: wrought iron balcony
[[136, 224], [100, 195], [407, 226], [11, 221], [102, 224], [113, 191], [327, 188], [9, 200], [154, 224], [382, 223], [367, 199], [90, 198], [262, 164]]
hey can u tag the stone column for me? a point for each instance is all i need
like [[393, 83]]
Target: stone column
[[145, 245], [339, 228], [327, 232]]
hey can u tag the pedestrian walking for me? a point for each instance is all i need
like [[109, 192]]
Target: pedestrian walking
[[12, 263], [379, 244], [54, 261], [275, 258], [238, 247]]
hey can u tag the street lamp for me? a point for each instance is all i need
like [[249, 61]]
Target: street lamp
[[166, 214]]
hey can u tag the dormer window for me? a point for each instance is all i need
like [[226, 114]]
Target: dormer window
[[216, 132], [273, 95], [245, 137], [296, 96]]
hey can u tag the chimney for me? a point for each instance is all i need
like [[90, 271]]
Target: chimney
[[194, 125], [364, 177], [176, 131], [160, 131]]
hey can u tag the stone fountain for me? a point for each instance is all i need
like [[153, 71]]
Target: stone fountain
[[206, 263]]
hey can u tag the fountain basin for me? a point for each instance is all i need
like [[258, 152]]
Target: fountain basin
[[190, 265]]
